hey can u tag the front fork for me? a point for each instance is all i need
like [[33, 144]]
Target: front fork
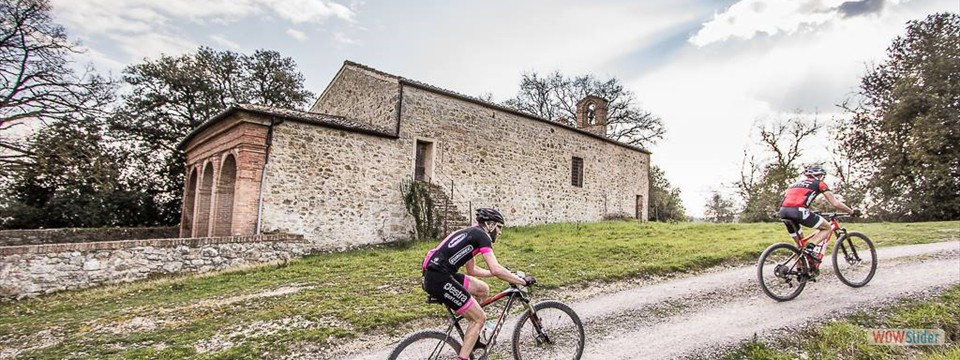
[[850, 254], [541, 336]]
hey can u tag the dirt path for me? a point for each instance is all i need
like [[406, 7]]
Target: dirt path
[[687, 316]]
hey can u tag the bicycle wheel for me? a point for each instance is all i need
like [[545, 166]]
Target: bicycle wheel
[[782, 272], [429, 344], [555, 333], [859, 261]]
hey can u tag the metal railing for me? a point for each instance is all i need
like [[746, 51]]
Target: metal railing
[[453, 198]]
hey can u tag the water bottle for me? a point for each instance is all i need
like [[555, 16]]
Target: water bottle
[[819, 250], [815, 251], [487, 332], [811, 249]]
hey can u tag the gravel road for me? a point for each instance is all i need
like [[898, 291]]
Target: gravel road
[[699, 314]]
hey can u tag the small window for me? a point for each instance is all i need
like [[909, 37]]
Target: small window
[[423, 159], [576, 172], [592, 114]]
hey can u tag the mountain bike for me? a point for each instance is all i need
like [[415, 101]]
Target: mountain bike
[[545, 330], [784, 269]]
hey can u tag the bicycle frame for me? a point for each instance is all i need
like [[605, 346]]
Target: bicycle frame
[[835, 230], [512, 294]]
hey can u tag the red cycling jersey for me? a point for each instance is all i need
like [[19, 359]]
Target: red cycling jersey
[[802, 192]]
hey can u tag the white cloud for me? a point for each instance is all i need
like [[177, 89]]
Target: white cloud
[[222, 40], [749, 18], [344, 39], [300, 11], [154, 44], [139, 24], [109, 18], [297, 34]]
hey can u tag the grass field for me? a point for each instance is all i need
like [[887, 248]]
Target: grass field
[[269, 309], [847, 338]]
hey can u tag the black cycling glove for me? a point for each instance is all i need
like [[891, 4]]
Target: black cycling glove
[[530, 280]]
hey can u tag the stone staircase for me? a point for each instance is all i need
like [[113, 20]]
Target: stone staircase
[[450, 216]]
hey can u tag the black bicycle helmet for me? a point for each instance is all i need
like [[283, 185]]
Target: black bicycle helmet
[[814, 170], [489, 214]]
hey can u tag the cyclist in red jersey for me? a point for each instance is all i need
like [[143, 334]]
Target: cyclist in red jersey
[[464, 293], [798, 197]]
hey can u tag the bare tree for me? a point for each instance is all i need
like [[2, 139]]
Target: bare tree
[[764, 177], [554, 97], [783, 137], [38, 83]]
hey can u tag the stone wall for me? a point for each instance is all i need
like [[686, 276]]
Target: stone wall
[[338, 188], [76, 235], [364, 95], [33, 270], [521, 165], [342, 189]]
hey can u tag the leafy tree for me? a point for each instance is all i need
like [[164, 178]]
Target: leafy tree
[[665, 202], [719, 209], [74, 180], [173, 95], [904, 129], [852, 186], [764, 177], [38, 83], [555, 96]]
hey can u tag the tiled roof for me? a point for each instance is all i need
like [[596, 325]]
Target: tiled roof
[[331, 121], [322, 119], [424, 85], [488, 104]]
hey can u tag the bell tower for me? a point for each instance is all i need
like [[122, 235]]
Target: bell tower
[[592, 115]]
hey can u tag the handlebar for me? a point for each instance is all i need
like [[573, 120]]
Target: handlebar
[[521, 275]]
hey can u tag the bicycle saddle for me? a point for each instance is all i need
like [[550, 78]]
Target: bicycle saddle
[[792, 226]]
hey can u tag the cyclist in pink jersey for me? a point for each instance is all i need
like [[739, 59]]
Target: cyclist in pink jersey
[[464, 292]]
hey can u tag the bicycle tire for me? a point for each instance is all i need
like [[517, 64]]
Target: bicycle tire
[[768, 286], [410, 346], [545, 314], [853, 258]]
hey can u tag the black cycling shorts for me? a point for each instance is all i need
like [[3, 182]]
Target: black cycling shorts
[[800, 215], [450, 289]]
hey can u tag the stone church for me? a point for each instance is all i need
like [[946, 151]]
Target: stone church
[[334, 173]]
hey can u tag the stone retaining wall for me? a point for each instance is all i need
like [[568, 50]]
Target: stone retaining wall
[[32, 270], [79, 235]]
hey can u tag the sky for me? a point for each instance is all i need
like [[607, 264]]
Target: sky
[[710, 69]]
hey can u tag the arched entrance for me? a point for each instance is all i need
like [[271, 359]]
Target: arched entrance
[[225, 191], [205, 200], [189, 197]]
